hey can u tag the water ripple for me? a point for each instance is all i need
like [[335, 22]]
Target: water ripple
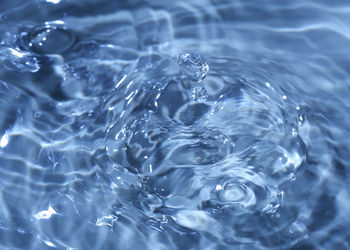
[[114, 131]]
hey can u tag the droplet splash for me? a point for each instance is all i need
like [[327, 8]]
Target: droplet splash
[[199, 94], [193, 66], [15, 59]]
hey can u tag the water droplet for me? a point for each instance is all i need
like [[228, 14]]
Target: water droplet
[[193, 66], [199, 94], [51, 39]]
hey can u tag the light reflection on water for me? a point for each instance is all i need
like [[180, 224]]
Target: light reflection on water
[[174, 125]]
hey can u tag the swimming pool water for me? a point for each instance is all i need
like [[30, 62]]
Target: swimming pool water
[[202, 124]]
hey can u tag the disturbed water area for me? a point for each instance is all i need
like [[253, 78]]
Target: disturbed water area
[[174, 125]]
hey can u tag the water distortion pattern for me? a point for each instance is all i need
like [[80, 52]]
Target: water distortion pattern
[[174, 124]]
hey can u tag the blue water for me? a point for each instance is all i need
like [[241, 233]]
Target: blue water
[[201, 124]]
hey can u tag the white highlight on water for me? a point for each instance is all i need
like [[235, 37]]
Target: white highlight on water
[[53, 1], [4, 140], [45, 214]]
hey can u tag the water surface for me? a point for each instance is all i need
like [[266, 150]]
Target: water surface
[[174, 124]]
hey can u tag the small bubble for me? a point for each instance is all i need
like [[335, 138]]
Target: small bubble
[[193, 66], [199, 94]]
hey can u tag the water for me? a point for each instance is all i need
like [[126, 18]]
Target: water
[[174, 124]]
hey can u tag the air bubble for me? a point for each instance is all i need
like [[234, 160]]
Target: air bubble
[[51, 39]]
